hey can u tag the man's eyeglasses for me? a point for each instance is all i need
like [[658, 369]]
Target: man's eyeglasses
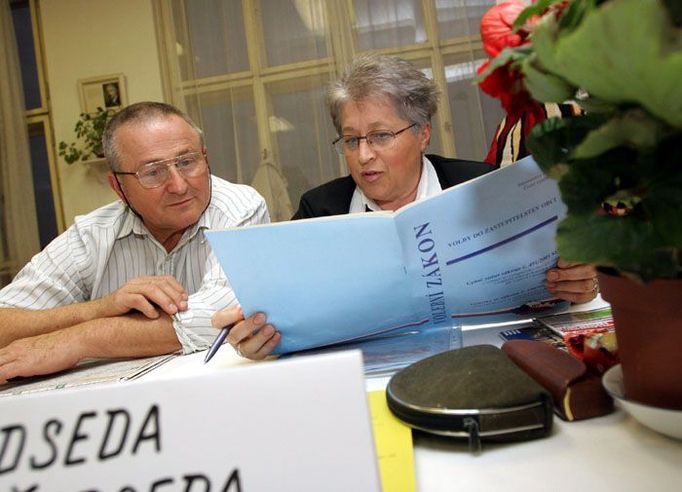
[[155, 174], [377, 140]]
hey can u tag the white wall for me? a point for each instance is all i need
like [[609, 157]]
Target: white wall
[[91, 38]]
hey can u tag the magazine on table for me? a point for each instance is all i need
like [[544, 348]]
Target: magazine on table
[[580, 322], [384, 354], [475, 253], [536, 332], [89, 371]]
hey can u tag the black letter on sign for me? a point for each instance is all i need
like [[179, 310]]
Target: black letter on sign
[[49, 439], [7, 431], [189, 480], [77, 436], [163, 481], [103, 455], [152, 419], [233, 480], [34, 488]]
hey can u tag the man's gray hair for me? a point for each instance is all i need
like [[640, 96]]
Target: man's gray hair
[[413, 95], [139, 113]]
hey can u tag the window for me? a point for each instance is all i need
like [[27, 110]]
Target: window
[[253, 75], [48, 205], [48, 218]]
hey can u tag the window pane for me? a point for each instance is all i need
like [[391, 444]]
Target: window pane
[[21, 16], [227, 118], [5, 263], [304, 133], [210, 38], [458, 18], [467, 102], [294, 30], [435, 145], [42, 185], [388, 23]]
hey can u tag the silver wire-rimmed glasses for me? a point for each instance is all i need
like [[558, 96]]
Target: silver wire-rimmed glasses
[[154, 174], [377, 140]]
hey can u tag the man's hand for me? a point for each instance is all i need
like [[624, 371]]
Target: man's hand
[[37, 355], [145, 294], [251, 338], [574, 282]]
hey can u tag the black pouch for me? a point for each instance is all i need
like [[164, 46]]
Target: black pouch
[[475, 392]]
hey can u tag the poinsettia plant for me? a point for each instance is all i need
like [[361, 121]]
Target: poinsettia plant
[[619, 166]]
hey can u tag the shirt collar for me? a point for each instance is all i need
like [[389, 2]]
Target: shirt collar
[[428, 185], [132, 224]]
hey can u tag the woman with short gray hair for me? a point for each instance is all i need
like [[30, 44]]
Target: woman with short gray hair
[[414, 96], [382, 108]]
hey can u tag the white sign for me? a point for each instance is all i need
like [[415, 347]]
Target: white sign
[[298, 425]]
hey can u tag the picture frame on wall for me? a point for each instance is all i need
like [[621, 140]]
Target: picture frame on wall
[[106, 92]]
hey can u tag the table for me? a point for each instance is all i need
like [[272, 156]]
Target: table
[[614, 452]]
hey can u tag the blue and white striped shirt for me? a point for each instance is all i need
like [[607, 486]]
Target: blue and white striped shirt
[[106, 248]]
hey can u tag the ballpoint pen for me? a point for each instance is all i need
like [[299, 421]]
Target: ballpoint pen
[[218, 342]]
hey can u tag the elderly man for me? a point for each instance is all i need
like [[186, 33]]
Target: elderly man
[[135, 277]]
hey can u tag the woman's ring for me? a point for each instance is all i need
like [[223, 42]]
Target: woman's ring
[[239, 350]]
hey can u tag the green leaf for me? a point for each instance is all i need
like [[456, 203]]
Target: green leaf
[[89, 129], [573, 15], [545, 86], [552, 141], [537, 8], [663, 209], [585, 184], [513, 55], [624, 51], [592, 105], [634, 129], [622, 242], [675, 9]]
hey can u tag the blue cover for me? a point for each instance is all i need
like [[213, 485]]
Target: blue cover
[[475, 253]]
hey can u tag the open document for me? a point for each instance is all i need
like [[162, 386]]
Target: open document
[[474, 253]]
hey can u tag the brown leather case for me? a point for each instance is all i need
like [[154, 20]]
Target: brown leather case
[[577, 393]]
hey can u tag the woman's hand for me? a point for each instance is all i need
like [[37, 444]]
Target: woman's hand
[[575, 282]]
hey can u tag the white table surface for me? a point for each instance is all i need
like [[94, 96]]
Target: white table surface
[[614, 452]]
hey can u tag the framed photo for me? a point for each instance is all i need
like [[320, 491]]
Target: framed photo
[[107, 92]]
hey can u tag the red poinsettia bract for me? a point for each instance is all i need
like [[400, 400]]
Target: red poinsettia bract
[[496, 27], [506, 82]]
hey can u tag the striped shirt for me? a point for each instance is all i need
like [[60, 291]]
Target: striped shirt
[[106, 248]]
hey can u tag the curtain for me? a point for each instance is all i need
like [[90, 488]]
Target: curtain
[[18, 226]]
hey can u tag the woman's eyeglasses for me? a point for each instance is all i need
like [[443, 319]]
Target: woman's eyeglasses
[[377, 140]]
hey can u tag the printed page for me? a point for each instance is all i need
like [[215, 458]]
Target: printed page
[[90, 371], [385, 354], [579, 321], [469, 253], [478, 252], [320, 281]]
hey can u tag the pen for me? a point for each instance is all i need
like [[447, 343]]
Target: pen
[[217, 342]]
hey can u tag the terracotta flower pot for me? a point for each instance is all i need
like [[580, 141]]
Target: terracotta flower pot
[[648, 322]]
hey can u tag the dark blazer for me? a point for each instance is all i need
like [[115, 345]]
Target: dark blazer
[[334, 197]]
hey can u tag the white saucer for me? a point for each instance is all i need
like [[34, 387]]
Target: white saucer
[[663, 420]]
